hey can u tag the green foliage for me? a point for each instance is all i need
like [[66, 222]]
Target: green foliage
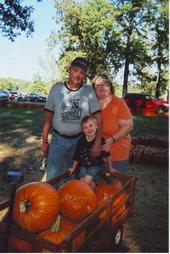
[[114, 35], [157, 23], [13, 84], [37, 86], [87, 28], [15, 18]]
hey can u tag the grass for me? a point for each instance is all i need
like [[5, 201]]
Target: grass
[[153, 125], [20, 121], [30, 121]]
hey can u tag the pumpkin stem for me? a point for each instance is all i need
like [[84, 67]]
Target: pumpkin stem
[[105, 196], [23, 206], [56, 225]]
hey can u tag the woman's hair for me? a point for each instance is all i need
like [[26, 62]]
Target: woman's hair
[[86, 119], [106, 79]]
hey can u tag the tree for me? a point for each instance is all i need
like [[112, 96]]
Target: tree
[[112, 34], [87, 29], [15, 18], [38, 86], [133, 39], [107, 32], [158, 22]]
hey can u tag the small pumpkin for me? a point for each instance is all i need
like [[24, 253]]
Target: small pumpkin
[[78, 200], [104, 192], [138, 152], [65, 228], [36, 206]]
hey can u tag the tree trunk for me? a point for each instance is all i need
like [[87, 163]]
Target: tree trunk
[[158, 84], [126, 74], [127, 59]]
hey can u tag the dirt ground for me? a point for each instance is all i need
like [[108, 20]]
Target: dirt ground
[[147, 231]]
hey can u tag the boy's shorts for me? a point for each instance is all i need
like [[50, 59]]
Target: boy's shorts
[[91, 171]]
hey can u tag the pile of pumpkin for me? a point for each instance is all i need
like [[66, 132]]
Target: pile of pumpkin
[[151, 140], [54, 213], [150, 149]]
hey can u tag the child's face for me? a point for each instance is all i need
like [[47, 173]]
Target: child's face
[[89, 128]]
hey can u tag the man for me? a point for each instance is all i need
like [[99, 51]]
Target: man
[[67, 104]]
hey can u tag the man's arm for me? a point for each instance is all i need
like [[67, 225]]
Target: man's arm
[[46, 128], [96, 149]]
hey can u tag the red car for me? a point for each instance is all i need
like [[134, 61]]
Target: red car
[[140, 101]]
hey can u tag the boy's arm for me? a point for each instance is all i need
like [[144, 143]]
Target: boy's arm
[[73, 168], [109, 162], [96, 149]]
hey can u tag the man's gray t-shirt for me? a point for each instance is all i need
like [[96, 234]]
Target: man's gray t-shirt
[[70, 107]]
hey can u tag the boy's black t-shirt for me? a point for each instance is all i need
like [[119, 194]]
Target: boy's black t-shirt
[[83, 153]]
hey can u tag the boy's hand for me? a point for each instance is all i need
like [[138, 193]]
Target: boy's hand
[[70, 170], [113, 170]]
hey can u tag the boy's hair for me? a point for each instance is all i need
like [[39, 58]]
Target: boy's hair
[[86, 119]]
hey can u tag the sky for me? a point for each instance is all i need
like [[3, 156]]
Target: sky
[[20, 59]]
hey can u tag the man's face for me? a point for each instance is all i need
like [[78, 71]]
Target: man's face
[[76, 75]]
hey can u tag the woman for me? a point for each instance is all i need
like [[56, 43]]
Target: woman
[[117, 122]]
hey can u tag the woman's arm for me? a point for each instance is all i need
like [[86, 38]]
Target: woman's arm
[[125, 127]]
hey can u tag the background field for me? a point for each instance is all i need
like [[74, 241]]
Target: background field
[[147, 231]]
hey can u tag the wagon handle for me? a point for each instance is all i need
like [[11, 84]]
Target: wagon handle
[[15, 177], [58, 178]]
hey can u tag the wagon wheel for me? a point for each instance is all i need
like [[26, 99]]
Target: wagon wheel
[[116, 237]]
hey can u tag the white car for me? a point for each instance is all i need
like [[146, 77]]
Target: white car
[[13, 94]]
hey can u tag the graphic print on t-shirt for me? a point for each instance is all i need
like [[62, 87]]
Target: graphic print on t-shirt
[[71, 110]]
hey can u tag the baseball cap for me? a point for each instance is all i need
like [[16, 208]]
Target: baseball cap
[[80, 62]]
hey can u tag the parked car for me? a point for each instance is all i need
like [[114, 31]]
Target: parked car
[[21, 97], [6, 91], [35, 97], [3, 96], [13, 94], [139, 101]]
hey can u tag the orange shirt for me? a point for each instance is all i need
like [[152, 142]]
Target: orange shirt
[[116, 109]]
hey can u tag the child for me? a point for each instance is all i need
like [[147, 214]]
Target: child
[[89, 166]]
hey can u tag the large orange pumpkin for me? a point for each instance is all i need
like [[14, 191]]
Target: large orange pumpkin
[[65, 228], [78, 200], [36, 206], [104, 192]]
